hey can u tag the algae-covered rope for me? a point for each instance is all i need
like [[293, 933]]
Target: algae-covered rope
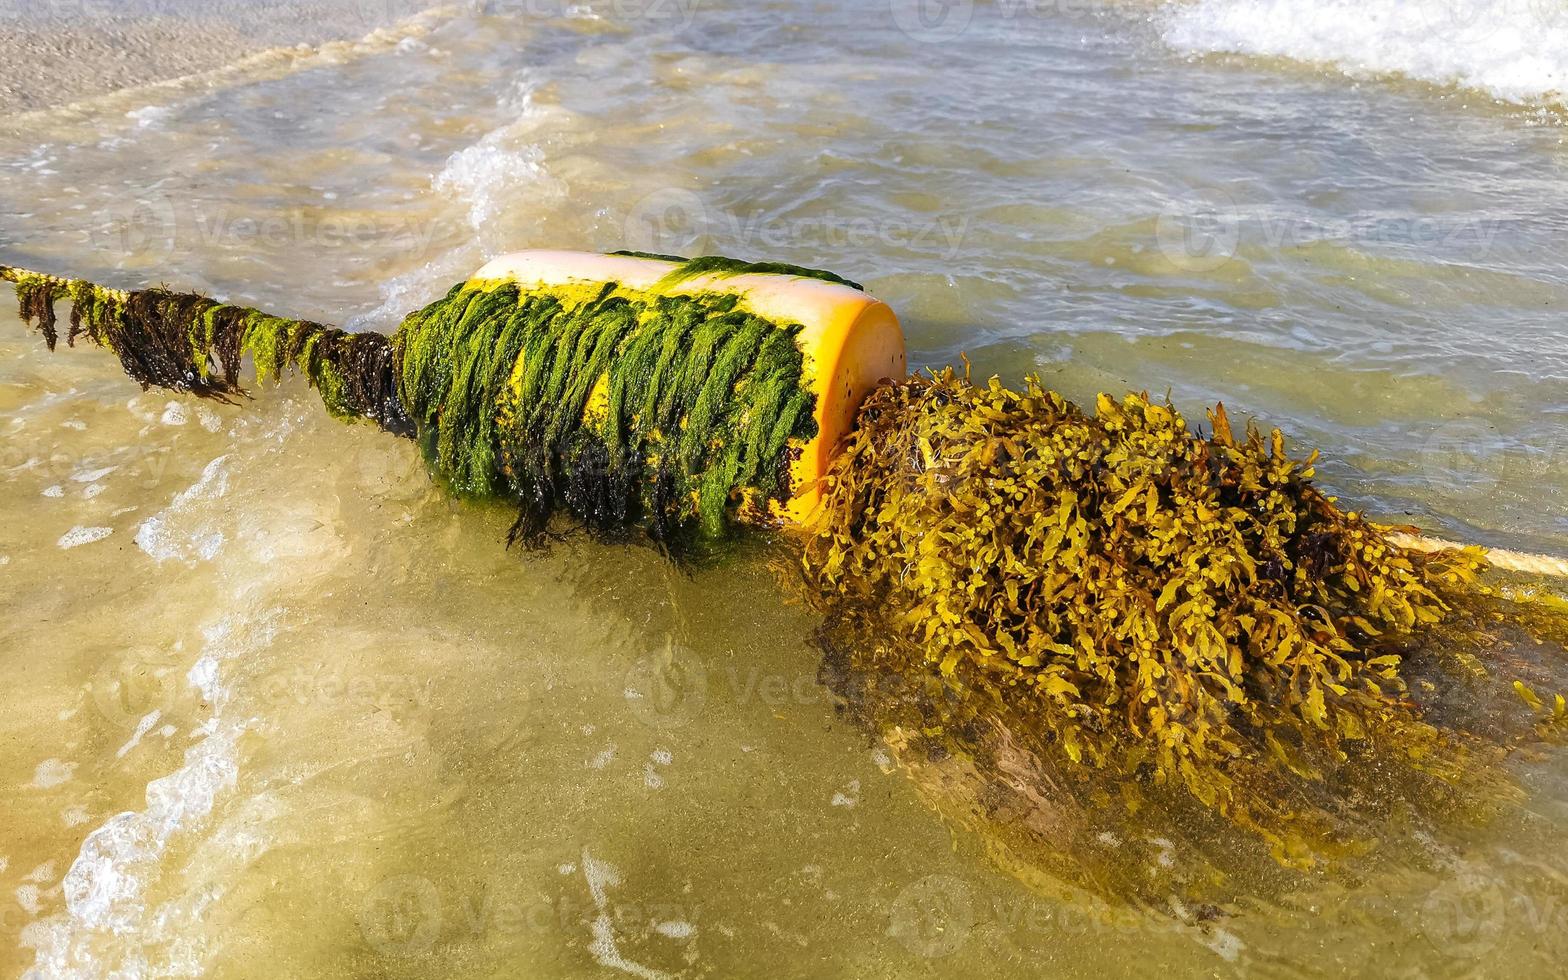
[[15, 275], [188, 342]]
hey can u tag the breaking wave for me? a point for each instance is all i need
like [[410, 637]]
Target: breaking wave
[[1513, 50]]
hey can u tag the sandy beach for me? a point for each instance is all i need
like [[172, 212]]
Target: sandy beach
[[55, 52]]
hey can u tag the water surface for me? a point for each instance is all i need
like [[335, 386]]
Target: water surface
[[271, 698]]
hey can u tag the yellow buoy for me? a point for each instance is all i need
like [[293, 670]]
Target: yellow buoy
[[851, 341]]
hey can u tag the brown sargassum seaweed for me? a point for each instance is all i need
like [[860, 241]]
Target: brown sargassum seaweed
[[1121, 610]]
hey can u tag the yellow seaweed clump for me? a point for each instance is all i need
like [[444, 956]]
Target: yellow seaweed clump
[[1166, 607]]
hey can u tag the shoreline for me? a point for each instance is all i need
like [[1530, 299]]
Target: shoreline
[[54, 53]]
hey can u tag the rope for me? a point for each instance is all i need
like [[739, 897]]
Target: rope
[[61, 283], [189, 342]]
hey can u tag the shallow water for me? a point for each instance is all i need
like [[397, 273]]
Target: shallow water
[[271, 698]]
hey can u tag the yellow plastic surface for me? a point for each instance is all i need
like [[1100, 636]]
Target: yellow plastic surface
[[851, 341]]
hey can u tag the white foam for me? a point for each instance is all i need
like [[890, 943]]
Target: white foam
[[1225, 944], [151, 115], [413, 289], [174, 414], [142, 728], [79, 535], [27, 898], [185, 529], [1515, 50], [52, 772], [496, 170], [505, 167], [847, 797], [602, 876], [41, 875], [106, 886], [675, 930]]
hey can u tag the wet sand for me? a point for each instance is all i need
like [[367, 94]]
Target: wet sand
[[56, 52]]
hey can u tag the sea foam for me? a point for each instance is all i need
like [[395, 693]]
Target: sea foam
[[187, 529], [107, 886], [1513, 50], [505, 170]]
